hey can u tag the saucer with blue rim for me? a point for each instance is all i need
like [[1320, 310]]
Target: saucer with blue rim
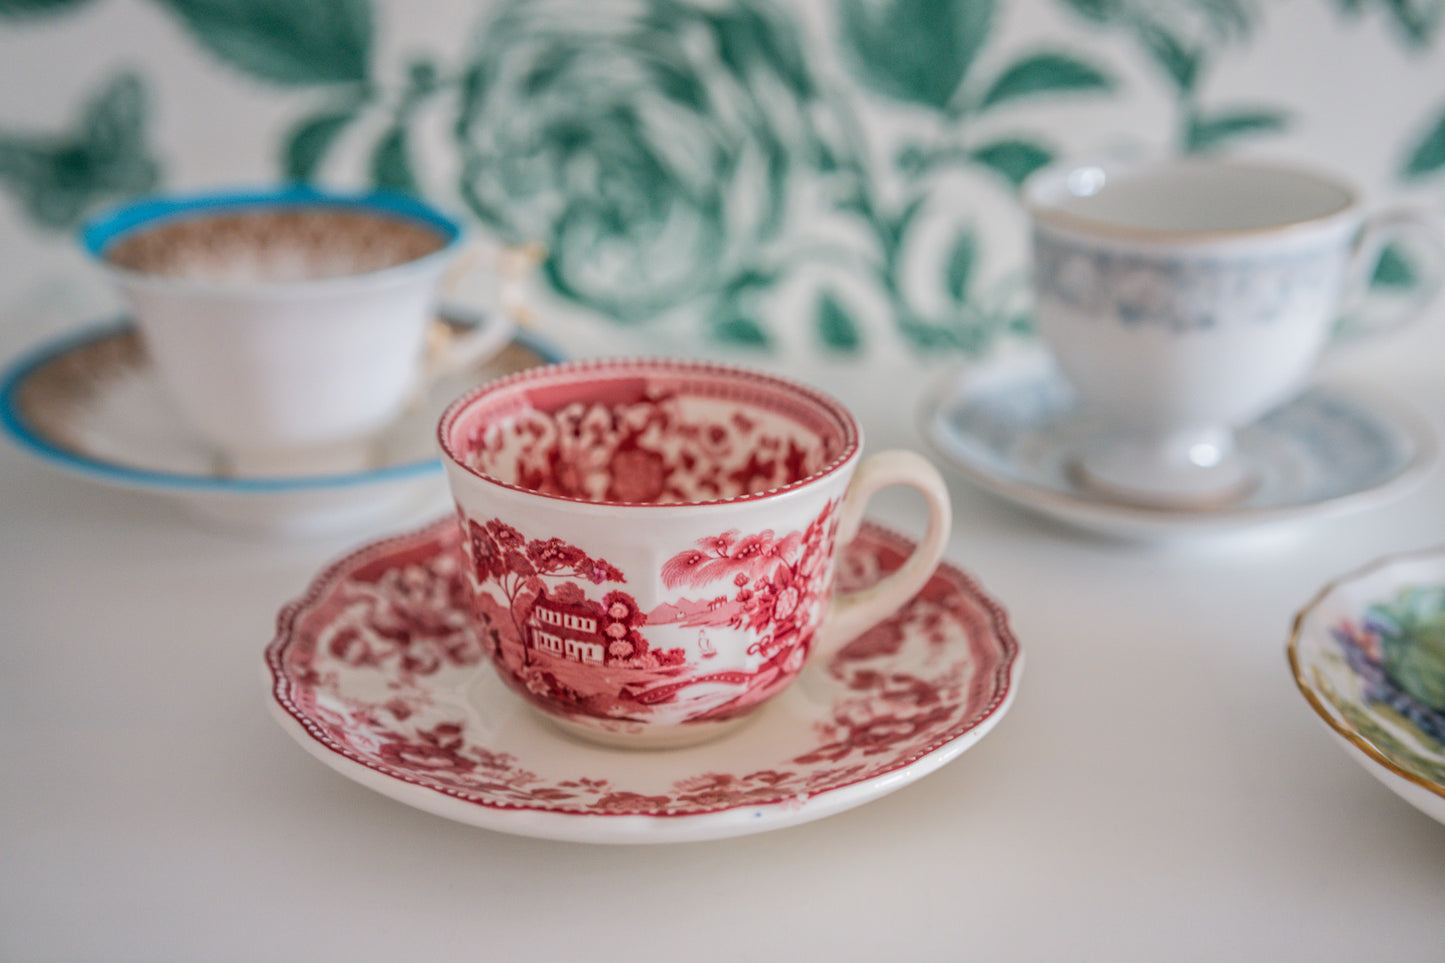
[[91, 404]]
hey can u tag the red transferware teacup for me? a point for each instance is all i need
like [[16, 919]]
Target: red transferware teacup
[[652, 542]]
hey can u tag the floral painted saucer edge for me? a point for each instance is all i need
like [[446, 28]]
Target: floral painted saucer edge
[[1334, 655], [376, 672]]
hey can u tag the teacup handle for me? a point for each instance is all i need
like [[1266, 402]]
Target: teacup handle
[[451, 349], [851, 613], [508, 267], [1374, 235]]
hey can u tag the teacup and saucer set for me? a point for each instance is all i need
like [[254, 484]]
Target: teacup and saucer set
[[1184, 305], [658, 615], [282, 357]]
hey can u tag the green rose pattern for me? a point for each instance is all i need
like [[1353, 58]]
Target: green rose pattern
[[689, 159]]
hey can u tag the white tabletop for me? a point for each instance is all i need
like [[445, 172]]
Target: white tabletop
[[1158, 791]]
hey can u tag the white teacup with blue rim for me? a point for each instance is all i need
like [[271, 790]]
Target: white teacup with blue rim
[[1185, 298], [287, 324]]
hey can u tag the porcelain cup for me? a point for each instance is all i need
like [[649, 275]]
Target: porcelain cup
[[1184, 299], [286, 324], [652, 542]]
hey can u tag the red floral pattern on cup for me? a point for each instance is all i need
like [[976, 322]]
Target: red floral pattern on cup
[[701, 502], [564, 640], [376, 660], [664, 446]]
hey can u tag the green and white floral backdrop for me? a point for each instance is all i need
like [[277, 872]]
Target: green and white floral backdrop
[[832, 177]]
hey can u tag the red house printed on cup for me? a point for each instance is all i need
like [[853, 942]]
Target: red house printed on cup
[[567, 631]]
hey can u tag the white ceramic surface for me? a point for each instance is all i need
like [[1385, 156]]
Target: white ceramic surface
[[1185, 298], [1013, 427], [282, 320], [92, 405], [1338, 659], [377, 670], [653, 540]]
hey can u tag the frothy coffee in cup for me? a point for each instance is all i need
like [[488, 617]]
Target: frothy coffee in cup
[[282, 245], [289, 325]]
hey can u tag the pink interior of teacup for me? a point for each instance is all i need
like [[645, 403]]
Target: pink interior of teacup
[[281, 244], [647, 432]]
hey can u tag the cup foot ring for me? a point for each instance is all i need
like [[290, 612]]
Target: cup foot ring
[[1225, 490], [671, 737]]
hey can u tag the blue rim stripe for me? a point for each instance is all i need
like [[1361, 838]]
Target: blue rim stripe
[[99, 233], [26, 437]]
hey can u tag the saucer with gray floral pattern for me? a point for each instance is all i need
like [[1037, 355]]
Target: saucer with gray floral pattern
[[1012, 427]]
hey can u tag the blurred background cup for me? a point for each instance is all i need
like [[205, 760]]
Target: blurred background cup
[[1186, 298], [288, 323]]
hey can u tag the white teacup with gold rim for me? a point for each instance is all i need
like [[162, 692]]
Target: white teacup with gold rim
[[652, 542], [1185, 298], [289, 323]]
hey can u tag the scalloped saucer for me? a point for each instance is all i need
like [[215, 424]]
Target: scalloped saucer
[[1012, 427], [91, 404], [378, 673], [1337, 655]]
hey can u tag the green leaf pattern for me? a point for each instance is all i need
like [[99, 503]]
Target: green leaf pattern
[[1207, 133], [690, 158], [18, 9], [918, 51], [1045, 73], [61, 177], [1428, 155], [837, 329], [311, 140], [284, 41]]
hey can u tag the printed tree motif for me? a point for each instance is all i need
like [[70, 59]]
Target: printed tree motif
[[520, 567], [777, 581], [622, 617], [504, 557]]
